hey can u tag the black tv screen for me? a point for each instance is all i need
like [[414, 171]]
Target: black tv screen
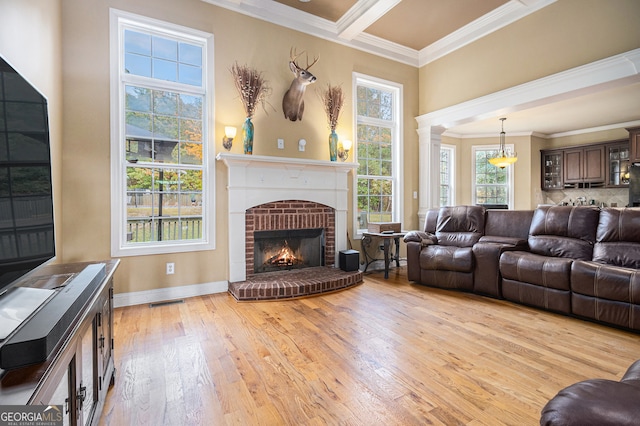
[[26, 201]]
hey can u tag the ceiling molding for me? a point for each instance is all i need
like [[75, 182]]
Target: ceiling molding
[[498, 18], [349, 30], [610, 72], [361, 15]]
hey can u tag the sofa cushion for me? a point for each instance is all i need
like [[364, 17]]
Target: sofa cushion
[[448, 258], [618, 238], [605, 281], [564, 231], [460, 226], [535, 269]]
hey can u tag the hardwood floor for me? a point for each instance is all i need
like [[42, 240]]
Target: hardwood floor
[[386, 352]]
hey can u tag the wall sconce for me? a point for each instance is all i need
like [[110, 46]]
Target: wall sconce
[[229, 134], [343, 149]]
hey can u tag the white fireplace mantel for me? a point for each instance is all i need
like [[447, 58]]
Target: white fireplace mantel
[[259, 179]]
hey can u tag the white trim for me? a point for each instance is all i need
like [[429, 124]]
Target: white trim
[[349, 29], [118, 20], [169, 293], [361, 15]]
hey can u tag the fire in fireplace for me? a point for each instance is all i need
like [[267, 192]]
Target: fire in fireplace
[[288, 249]]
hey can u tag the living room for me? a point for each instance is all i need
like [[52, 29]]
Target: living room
[[63, 47]]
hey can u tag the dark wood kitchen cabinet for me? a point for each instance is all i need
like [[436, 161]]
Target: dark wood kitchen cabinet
[[584, 166]]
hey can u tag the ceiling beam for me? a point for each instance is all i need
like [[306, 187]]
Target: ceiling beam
[[361, 16]]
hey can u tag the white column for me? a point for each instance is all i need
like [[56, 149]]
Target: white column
[[429, 140]]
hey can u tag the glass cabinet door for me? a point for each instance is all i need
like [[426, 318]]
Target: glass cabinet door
[[552, 170], [618, 165]]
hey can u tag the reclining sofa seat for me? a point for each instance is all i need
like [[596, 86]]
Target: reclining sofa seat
[[541, 277], [607, 289], [449, 262]]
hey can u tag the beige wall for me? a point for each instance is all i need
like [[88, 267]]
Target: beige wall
[[86, 160], [30, 42]]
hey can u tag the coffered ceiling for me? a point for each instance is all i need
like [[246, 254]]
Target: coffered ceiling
[[417, 32]]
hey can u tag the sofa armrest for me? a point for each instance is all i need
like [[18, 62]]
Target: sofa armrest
[[486, 253], [509, 241], [424, 238]]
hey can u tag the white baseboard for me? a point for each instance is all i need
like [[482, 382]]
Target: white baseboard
[[169, 293]]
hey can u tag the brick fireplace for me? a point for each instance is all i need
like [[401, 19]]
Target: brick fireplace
[[273, 192], [289, 215]]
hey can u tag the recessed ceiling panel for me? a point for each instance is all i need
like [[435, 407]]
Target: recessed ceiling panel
[[331, 10], [419, 23]]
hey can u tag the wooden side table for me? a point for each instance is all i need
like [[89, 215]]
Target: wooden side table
[[365, 242]]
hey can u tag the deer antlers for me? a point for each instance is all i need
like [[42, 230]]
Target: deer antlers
[[294, 57]]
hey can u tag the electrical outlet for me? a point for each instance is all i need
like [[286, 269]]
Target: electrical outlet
[[280, 143], [171, 268]]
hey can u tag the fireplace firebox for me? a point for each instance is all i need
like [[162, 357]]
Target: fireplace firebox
[[280, 250]]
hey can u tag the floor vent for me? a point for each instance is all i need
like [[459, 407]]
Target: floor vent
[[167, 302]]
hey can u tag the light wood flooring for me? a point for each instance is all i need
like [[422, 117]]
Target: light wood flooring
[[386, 352]]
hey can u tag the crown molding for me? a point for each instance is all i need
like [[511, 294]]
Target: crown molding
[[349, 30]]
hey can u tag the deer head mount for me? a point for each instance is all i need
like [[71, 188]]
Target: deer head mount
[[292, 103]]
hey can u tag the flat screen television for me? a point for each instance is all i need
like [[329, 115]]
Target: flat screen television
[[26, 199]]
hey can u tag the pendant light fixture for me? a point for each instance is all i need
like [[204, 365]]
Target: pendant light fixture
[[503, 158]]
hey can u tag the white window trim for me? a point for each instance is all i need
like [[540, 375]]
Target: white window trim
[[398, 182], [510, 188], [452, 167], [119, 248]]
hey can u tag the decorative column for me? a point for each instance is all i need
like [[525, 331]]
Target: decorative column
[[429, 141]]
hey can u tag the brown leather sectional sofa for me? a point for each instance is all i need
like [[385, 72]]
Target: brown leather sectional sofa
[[579, 261]]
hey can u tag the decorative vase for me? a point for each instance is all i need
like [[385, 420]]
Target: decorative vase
[[333, 146], [247, 135]]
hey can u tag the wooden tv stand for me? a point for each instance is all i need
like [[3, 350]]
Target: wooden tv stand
[[78, 373]]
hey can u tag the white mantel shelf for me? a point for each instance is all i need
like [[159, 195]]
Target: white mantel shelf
[[288, 162], [257, 179]]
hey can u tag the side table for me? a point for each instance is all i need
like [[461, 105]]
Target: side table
[[365, 242]]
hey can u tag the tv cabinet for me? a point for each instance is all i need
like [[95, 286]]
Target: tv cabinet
[[80, 369]]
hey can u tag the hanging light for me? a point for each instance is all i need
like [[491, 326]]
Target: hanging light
[[503, 158]]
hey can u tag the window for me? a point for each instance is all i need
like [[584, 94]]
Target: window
[[378, 117], [447, 174], [161, 199], [491, 185]]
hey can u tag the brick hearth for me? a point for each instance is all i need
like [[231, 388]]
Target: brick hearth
[[295, 283]]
